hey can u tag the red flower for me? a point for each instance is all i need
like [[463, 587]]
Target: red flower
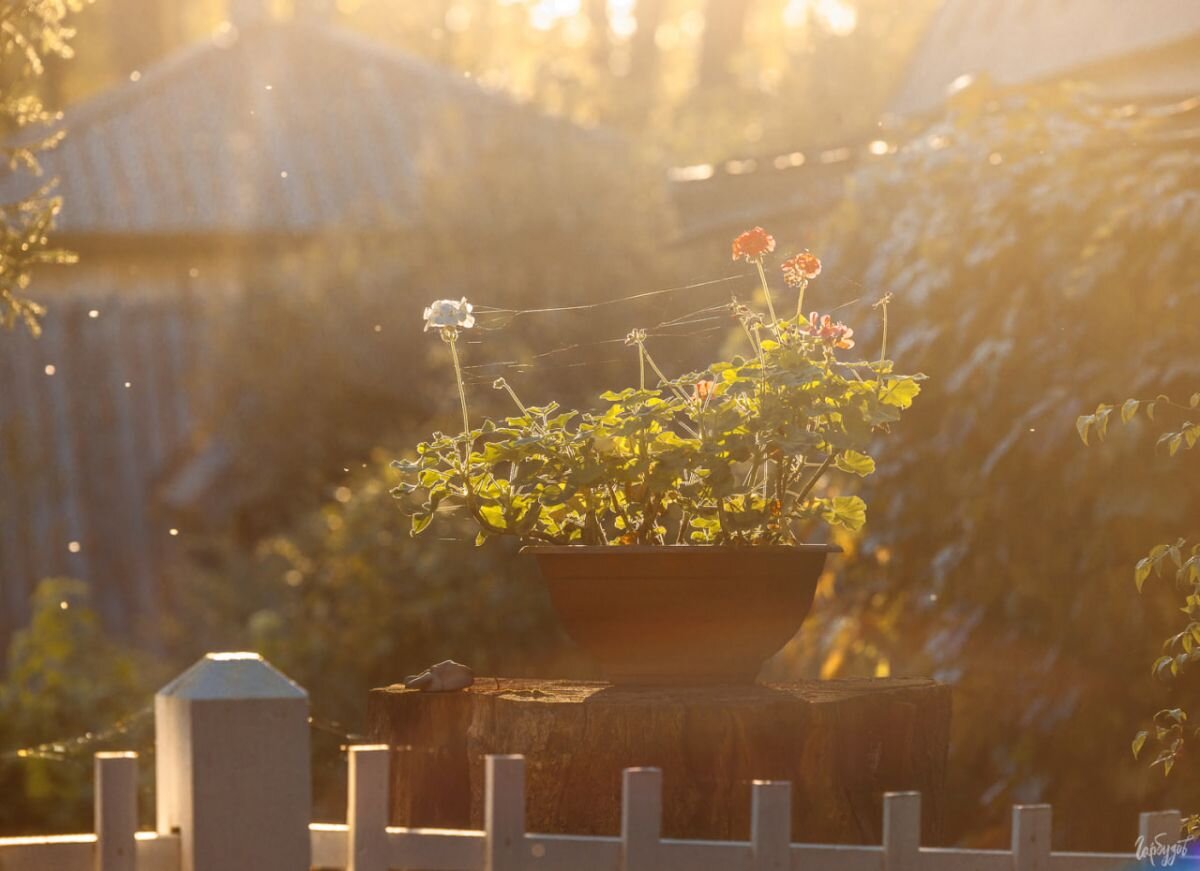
[[803, 267], [753, 244], [824, 328], [702, 390]]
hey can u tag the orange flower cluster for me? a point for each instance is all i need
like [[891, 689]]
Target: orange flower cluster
[[803, 267], [824, 328], [753, 244]]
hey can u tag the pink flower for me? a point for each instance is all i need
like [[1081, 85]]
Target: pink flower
[[803, 267], [753, 244], [824, 328]]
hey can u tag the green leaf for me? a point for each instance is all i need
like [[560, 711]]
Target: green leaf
[[420, 521], [1082, 424], [1128, 410], [1139, 741], [1142, 571], [847, 511], [855, 462], [900, 392], [482, 536]]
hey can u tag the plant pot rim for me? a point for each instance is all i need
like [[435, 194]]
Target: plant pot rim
[[677, 549]]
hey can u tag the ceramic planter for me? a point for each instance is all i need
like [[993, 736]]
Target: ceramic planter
[[681, 614]]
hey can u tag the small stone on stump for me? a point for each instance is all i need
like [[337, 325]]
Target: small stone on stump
[[841, 743]]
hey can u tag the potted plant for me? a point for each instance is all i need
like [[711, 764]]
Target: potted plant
[[667, 521]]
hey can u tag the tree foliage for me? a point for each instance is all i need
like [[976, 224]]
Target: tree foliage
[[30, 32], [1039, 246], [1177, 666]]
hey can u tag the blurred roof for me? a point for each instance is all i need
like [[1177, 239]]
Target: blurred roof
[[1023, 41], [282, 127]]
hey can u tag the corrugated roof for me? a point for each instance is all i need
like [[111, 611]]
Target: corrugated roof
[[1021, 41], [287, 127]]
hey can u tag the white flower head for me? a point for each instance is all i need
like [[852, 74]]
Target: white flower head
[[448, 314]]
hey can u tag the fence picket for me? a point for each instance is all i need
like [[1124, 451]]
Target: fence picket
[[504, 813], [641, 818], [771, 825], [901, 831], [367, 847], [1031, 826], [116, 811]]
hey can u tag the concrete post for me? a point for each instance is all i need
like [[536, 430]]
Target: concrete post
[[232, 766]]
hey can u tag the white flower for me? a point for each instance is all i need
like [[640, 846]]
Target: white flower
[[448, 314]]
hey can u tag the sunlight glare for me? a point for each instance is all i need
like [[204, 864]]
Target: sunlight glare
[[622, 18], [544, 14], [836, 16], [840, 18]]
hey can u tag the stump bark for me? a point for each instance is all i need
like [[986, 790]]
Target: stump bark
[[841, 743]]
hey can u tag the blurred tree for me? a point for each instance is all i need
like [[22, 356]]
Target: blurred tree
[[30, 31], [698, 79], [1039, 248], [724, 32], [65, 680]]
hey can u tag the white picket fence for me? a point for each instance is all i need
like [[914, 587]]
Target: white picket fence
[[232, 776]]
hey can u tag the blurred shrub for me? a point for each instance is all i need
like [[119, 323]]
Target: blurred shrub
[[345, 600], [66, 680], [1041, 252]]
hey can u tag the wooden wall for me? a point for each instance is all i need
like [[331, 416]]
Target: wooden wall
[[89, 414]]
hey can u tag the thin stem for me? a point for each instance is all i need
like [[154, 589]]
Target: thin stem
[[762, 361], [663, 378], [612, 492], [750, 336], [767, 290], [812, 482], [515, 399], [462, 398], [800, 301], [883, 349], [641, 366]]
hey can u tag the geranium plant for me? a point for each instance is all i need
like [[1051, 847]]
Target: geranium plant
[[730, 455]]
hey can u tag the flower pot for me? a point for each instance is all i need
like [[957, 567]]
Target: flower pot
[[681, 614]]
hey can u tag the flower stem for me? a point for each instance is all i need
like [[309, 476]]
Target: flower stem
[[800, 301], [663, 378], [462, 398], [641, 366], [883, 349], [812, 482], [766, 290]]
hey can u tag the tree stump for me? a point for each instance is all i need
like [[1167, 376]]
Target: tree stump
[[841, 743]]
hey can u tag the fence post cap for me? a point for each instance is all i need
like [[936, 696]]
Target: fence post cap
[[232, 676]]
